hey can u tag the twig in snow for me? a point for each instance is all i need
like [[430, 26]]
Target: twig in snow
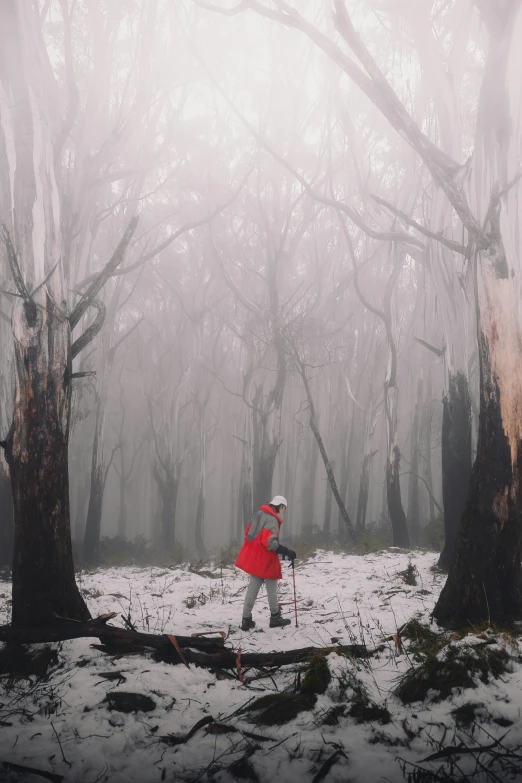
[[60, 744], [328, 764], [53, 776]]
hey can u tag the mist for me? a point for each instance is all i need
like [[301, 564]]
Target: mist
[[251, 249]]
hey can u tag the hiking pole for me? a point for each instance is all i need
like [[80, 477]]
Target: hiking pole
[[295, 595]]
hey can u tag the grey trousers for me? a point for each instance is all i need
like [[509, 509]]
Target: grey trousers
[[254, 586]]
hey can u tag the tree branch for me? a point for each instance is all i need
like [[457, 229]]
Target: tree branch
[[91, 331], [437, 351], [14, 265], [439, 236], [101, 277], [430, 493], [83, 374], [127, 334]]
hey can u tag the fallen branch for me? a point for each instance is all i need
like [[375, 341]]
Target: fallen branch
[[202, 651], [173, 740]]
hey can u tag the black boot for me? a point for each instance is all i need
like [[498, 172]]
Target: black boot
[[278, 621], [247, 623]]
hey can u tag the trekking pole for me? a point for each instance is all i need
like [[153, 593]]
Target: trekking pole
[[295, 595]]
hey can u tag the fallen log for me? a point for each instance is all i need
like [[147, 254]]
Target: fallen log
[[207, 652], [227, 658], [107, 634]]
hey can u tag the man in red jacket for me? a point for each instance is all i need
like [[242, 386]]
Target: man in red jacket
[[259, 558]]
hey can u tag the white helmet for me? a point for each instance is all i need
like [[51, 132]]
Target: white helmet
[[278, 500]]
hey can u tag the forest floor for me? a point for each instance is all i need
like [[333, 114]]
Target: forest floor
[[423, 693]]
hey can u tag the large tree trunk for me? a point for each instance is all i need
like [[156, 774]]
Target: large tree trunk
[[483, 583], [456, 461], [37, 444], [37, 454]]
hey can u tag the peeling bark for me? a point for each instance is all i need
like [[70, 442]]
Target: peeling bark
[[483, 582]]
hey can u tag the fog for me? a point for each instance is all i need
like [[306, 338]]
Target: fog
[[286, 304]]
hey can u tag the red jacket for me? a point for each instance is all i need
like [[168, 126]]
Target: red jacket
[[257, 556]]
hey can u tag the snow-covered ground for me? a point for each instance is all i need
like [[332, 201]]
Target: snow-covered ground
[[65, 726]]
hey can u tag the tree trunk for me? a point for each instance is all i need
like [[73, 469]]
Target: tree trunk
[[200, 509], [393, 482], [393, 495], [82, 496], [122, 517], [91, 540], [427, 435], [265, 453], [36, 448], [483, 582], [364, 491], [327, 466], [168, 485], [345, 476], [169, 501], [37, 454], [200, 524], [6, 518], [309, 488], [366, 464], [413, 484], [327, 525], [456, 461]]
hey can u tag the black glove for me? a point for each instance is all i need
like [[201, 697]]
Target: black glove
[[285, 552]]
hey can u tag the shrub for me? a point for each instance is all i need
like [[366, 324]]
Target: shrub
[[409, 575], [228, 554], [457, 668]]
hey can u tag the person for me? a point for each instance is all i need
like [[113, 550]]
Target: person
[[259, 557]]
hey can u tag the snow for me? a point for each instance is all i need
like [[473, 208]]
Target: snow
[[64, 725]]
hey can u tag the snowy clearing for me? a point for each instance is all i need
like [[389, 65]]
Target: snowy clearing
[[69, 723]]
